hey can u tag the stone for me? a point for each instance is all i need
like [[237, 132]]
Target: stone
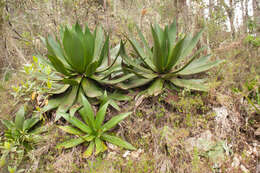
[[203, 142], [236, 162], [244, 169]]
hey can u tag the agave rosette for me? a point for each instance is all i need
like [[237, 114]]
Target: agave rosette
[[164, 62], [79, 58], [92, 130]]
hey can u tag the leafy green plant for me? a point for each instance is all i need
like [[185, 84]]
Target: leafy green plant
[[20, 137], [11, 155], [251, 91], [91, 130], [79, 58], [253, 40], [21, 130], [164, 62], [28, 88]]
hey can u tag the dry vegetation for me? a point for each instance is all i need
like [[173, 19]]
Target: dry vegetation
[[186, 131]]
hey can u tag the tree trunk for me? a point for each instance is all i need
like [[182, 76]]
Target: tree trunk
[[246, 15], [177, 17], [2, 4], [230, 13], [183, 8], [244, 27], [256, 15], [231, 21], [211, 4]]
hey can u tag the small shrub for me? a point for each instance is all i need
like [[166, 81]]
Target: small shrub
[[20, 137]]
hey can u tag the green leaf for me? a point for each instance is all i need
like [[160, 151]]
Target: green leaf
[[91, 68], [74, 109], [68, 102], [107, 71], [190, 46], [158, 55], [101, 115], [43, 40], [71, 130], [133, 83], [194, 84], [172, 36], [114, 121], [114, 81], [74, 49], [156, 87], [99, 38], [39, 130], [89, 150], [60, 90], [159, 32], [58, 65], [44, 61], [54, 49], [120, 96], [71, 82], [19, 118], [76, 122], [172, 74], [90, 88], [104, 52], [140, 73], [86, 112], [105, 99], [106, 68], [54, 103], [8, 124], [114, 105], [70, 143], [165, 49], [130, 62], [89, 43], [29, 123], [88, 138], [78, 30], [117, 141], [139, 50], [176, 53], [99, 146], [147, 48], [200, 65]]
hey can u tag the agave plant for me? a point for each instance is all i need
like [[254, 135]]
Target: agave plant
[[21, 132], [78, 57], [92, 131], [164, 62]]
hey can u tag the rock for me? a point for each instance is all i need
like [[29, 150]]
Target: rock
[[258, 168], [223, 125], [216, 154], [136, 154], [126, 154], [111, 155], [257, 132], [244, 169], [203, 142], [236, 162], [112, 147], [133, 154]]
